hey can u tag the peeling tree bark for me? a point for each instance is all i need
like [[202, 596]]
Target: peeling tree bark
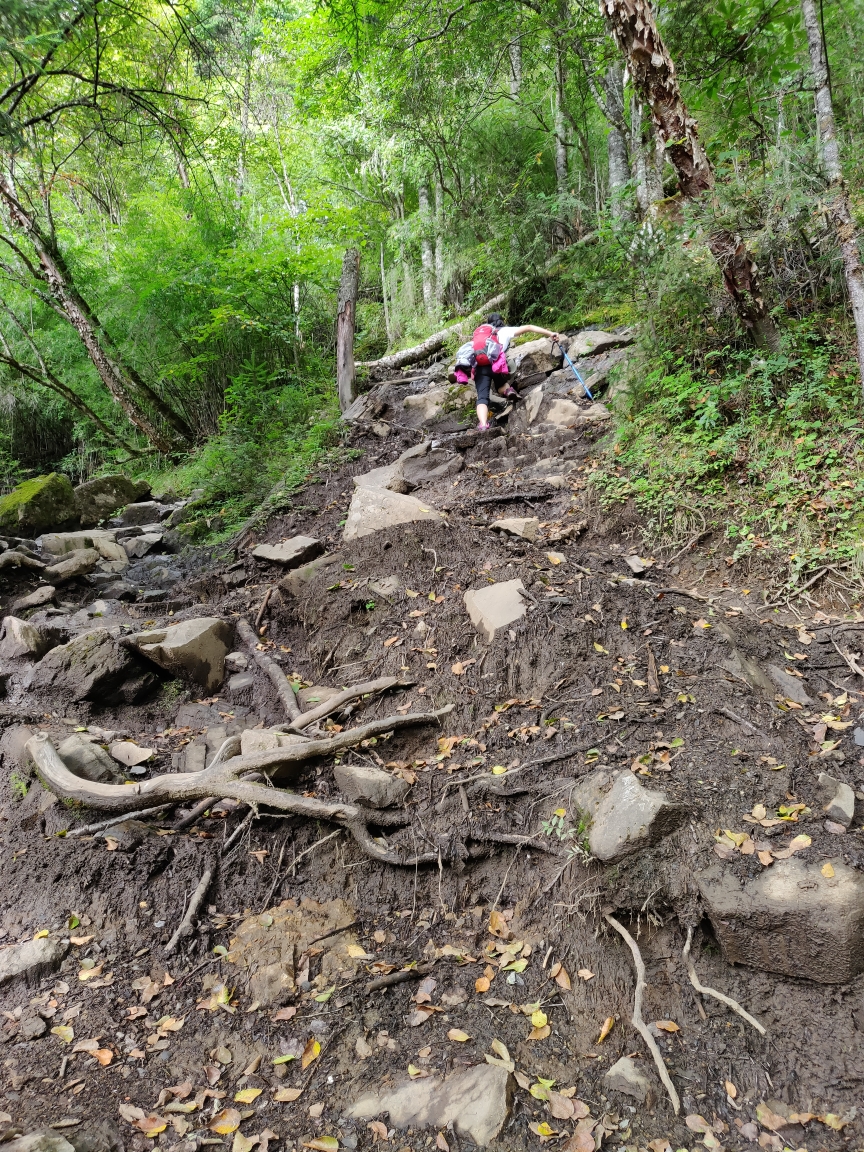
[[616, 142], [838, 195], [635, 31], [349, 286]]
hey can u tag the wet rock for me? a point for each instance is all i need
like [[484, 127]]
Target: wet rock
[[837, 798], [21, 638], [370, 786], [265, 947], [433, 466], [292, 553], [35, 599], [32, 959], [32, 1027], [626, 1076], [631, 817], [89, 760], [77, 563], [194, 648], [98, 499], [526, 527], [294, 583], [476, 1101], [315, 694], [791, 687], [494, 607], [140, 545], [790, 918], [373, 509], [93, 666], [37, 505]]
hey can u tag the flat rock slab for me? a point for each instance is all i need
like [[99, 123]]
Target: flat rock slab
[[631, 817], [476, 1102], [32, 958], [626, 1076], [434, 465], [790, 918], [838, 799], [525, 527], [791, 687], [372, 787], [590, 343], [265, 947], [292, 553], [35, 599], [495, 607], [389, 476], [195, 648], [372, 509]]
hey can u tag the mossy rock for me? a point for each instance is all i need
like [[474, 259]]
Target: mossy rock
[[38, 505], [102, 497]]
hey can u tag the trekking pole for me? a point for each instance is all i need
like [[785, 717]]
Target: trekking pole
[[575, 371]]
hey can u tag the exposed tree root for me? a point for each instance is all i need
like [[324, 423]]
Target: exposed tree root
[[730, 715], [336, 702], [185, 927], [277, 676], [89, 829], [721, 996], [638, 1022]]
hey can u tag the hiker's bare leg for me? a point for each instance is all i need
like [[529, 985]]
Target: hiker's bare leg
[[482, 414]]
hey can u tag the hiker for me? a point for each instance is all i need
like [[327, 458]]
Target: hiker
[[485, 356]]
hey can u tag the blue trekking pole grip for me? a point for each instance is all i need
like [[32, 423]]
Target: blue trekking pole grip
[[575, 370]]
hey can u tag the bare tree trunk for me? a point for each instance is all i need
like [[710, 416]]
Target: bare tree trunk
[[121, 381], [616, 141], [427, 257], [349, 286], [515, 68], [562, 181], [440, 278], [635, 31], [647, 157], [384, 298], [838, 196]]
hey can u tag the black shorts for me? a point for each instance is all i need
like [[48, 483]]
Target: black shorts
[[484, 378]]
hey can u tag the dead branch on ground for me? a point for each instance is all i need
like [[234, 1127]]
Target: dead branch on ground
[[721, 996], [185, 927], [277, 676], [638, 1022]]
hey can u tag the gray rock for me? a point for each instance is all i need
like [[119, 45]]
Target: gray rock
[[387, 586], [427, 407], [292, 553], [119, 590], [77, 563], [31, 959], [241, 682], [194, 648], [475, 1101], [636, 565], [236, 661], [389, 476], [526, 360], [315, 694], [370, 786], [21, 638], [626, 1076], [790, 918], [32, 1027], [373, 509], [62, 544], [93, 666], [43, 1140], [142, 512], [96, 1136], [590, 343], [294, 583], [89, 760], [432, 466], [631, 817], [129, 834], [494, 607], [838, 800], [35, 599], [524, 526], [791, 687], [98, 499], [140, 545]]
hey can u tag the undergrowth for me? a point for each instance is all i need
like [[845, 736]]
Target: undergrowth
[[765, 448]]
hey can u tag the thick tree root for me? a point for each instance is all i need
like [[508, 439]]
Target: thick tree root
[[336, 702], [277, 676], [222, 779], [721, 996], [638, 1022], [186, 928]]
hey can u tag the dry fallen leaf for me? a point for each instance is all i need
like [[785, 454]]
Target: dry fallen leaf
[[378, 1129], [731, 1090], [247, 1095], [562, 979], [458, 1035], [225, 1122], [666, 1025], [827, 870], [770, 1119], [311, 1052], [151, 1125], [316, 1110], [284, 1014], [608, 1025], [287, 1095], [697, 1123], [243, 1143], [130, 754], [64, 1033], [585, 974], [498, 926], [324, 1144], [441, 1143]]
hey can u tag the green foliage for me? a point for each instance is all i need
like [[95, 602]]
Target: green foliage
[[19, 784]]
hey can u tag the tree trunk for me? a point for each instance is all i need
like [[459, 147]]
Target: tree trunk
[[384, 298], [440, 278], [349, 286], [616, 141], [515, 69], [838, 196], [427, 257], [633, 26]]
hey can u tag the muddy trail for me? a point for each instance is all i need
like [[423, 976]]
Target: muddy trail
[[571, 761]]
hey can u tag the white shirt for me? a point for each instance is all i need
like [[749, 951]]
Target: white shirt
[[505, 335]]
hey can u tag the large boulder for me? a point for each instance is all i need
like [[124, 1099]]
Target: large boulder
[[142, 512], [194, 648], [631, 817], [431, 466], [61, 544], [100, 498], [77, 563], [31, 959], [38, 504], [428, 407], [93, 666], [590, 343], [372, 509], [797, 918], [527, 360], [21, 638], [292, 553], [495, 607], [475, 1101]]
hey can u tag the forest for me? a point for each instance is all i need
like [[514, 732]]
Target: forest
[[181, 182]]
